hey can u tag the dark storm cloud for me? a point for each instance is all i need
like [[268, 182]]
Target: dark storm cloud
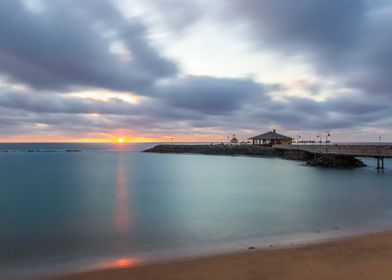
[[207, 95], [189, 97], [339, 112], [347, 40], [319, 25], [64, 46], [371, 65], [52, 103], [236, 104], [183, 104]]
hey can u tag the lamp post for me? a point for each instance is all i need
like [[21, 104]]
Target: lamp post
[[380, 159], [379, 145], [327, 134], [298, 137], [319, 139]]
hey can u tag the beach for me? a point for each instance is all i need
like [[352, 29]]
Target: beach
[[361, 257]]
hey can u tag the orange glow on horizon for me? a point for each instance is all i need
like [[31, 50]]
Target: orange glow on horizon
[[81, 140], [114, 140], [127, 138]]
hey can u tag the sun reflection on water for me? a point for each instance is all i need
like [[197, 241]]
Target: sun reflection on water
[[117, 263], [121, 211]]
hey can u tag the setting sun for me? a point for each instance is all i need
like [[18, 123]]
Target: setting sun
[[120, 140]]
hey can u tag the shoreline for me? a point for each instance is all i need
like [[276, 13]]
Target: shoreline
[[366, 256], [290, 241]]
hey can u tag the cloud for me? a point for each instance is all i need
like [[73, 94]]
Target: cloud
[[55, 103], [178, 16], [208, 95], [346, 40], [68, 44], [318, 25], [187, 104], [48, 52]]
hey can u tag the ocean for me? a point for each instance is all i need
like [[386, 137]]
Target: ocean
[[110, 205]]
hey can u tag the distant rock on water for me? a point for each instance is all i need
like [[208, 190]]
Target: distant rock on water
[[335, 161]]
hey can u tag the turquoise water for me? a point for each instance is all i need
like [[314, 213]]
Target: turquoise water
[[111, 205]]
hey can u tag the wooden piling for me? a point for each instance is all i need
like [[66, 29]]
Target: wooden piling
[[380, 163]]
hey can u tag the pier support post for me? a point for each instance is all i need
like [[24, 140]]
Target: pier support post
[[380, 163]]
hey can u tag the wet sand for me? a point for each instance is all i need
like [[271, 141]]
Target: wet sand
[[363, 257]]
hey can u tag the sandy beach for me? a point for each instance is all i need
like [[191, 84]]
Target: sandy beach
[[362, 257]]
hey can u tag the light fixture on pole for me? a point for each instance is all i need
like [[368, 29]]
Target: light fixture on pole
[[327, 134], [298, 137], [320, 138]]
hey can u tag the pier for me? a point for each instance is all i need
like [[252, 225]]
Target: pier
[[379, 152]]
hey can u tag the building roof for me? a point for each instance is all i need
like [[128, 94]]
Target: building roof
[[271, 135]]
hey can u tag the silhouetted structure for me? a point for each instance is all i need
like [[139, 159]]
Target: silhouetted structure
[[234, 140], [271, 138]]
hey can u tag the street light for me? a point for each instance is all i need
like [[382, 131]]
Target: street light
[[379, 145], [327, 134], [298, 137], [320, 140]]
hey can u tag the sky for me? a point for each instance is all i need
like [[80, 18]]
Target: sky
[[194, 70]]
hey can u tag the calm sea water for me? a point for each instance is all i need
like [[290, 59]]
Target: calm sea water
[[111, 205]]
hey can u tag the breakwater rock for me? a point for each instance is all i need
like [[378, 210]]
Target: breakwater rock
[[335, 161], [311, 159], [232, 150]]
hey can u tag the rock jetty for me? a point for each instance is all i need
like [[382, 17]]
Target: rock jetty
[[311, 159], [335, 161]]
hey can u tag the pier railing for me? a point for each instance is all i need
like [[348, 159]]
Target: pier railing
[[352, 150]]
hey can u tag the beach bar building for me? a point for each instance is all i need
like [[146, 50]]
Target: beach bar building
[[271, 138]]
